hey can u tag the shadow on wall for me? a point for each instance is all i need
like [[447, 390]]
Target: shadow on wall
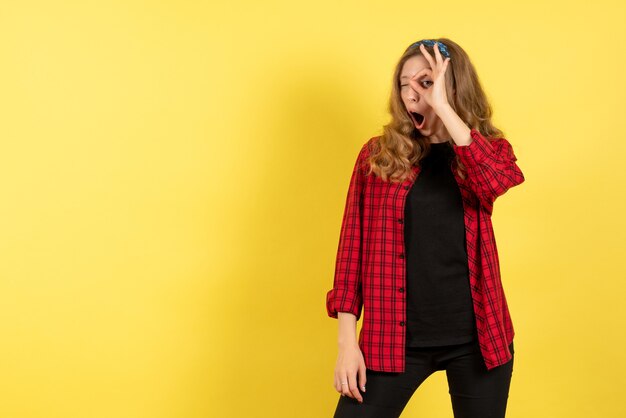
[[288, 238]]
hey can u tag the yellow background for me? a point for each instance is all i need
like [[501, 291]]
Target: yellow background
[[173, 175]]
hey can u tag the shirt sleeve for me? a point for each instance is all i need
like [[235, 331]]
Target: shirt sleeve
[[346, 294], [491, 167]]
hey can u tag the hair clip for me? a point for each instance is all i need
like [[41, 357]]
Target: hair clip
[[442, 48]]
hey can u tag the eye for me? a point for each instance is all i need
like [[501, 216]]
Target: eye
[[424, 83]]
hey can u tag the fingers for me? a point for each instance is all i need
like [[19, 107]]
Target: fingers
[[345, 389], [422, 72], [354, 390], [342, 378], [350, 389], [415, 84], [437, 54], [445, 65], [438, 58], [427, 56], [350, 365], [362, 377]]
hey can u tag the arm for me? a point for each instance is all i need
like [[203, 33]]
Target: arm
[[345, 300], [350, 367], [346, 295], [491, 167], [347, 330]]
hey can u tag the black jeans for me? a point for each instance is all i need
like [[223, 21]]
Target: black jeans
[[475, 392]]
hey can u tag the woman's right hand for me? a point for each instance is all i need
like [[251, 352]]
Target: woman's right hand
[[350, 367]]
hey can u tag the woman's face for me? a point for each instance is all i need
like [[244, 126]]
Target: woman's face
[[424, 117]]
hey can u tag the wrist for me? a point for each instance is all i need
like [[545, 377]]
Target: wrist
[[442, 108], [348, 343]]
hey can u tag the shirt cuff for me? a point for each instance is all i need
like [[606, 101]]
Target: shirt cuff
[[350, 303], [477, 150]]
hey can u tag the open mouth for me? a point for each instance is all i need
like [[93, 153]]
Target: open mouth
[[418, 119]]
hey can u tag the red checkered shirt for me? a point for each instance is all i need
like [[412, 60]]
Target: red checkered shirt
[[370, 268]]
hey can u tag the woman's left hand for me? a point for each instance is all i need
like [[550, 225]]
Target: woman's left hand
[[436, 96]]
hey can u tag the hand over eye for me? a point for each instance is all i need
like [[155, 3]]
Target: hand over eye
[[435, 97], [426, 83]]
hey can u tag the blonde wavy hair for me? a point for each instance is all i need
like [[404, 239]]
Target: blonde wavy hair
[[401, 145]]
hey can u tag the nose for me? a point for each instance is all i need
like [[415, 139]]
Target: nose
[[413, 95]]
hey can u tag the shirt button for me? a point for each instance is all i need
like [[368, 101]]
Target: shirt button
[[400, 220], [401, 289], [406, 187], [401, 255], [401, 323]]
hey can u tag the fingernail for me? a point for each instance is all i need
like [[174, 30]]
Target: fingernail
[[363, 387]]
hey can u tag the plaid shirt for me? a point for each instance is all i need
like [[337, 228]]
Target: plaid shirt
[[370, 266]]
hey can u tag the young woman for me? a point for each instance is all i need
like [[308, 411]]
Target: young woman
[[417, 252]]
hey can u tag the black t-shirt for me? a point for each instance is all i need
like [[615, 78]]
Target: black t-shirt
[[439, 301]]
